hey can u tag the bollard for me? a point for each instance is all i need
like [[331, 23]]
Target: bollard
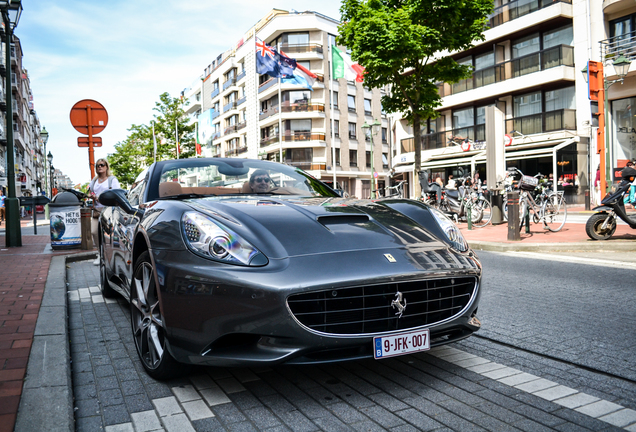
[[513, 216], [527, 219], [469, 215], [87, 238], [497, 208], [587, 199]]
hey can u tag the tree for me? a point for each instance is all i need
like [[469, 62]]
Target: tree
[[136, 152], [399, 43]]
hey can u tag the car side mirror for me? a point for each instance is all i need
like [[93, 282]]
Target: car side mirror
[[117, 198]]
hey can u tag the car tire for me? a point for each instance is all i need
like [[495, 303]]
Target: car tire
[[147, 323], [594, 224], [104, 285]]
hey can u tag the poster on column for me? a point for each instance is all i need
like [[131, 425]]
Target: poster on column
[[66, 228]]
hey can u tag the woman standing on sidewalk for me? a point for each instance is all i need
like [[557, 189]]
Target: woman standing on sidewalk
[[102, 182]]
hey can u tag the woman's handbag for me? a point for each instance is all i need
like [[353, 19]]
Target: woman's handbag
[[96, 214]]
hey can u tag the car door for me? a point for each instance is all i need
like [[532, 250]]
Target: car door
[[124, 228]]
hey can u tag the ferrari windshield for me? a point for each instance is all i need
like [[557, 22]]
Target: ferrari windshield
[[186, 178]]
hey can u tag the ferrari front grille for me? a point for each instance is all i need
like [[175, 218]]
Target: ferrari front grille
[[376, 308]]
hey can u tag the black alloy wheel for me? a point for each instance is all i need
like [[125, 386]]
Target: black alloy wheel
[[104, 286], [147, 325], [593, 227]]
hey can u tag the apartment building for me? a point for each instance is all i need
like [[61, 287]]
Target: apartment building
[[28, 146], [243, 114], [529, 66], [618, 37]]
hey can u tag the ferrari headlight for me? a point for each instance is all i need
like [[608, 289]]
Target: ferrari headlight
[[210, 239], [450, 229]]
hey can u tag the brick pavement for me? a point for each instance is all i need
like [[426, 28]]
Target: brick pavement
[[23, 275]]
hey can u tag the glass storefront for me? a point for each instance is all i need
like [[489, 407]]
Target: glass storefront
[[623, 139]]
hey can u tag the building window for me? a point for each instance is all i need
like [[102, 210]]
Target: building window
[[352, 130], [367, 107], [336, 128], [384, 135], [337, 157], [351, 103], [353, 158], [385, 160], [368, 159], [335, 100], [623, 111]]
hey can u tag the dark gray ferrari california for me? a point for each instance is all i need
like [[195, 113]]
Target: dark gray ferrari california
[[246, 262]]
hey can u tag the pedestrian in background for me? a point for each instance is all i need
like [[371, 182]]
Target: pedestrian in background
[[102, 182], [597, 185], [2, 211]]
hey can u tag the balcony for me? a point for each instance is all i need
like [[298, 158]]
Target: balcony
[[241, 75], [622, 44], [303, 107], [215, 93], [293, 137], [229, 83], [241, 100], [301, 48], [236, 151], [229, 106], [308, 166], [230, 129], [241, 125], [561, 55], [214, 114], [543, 122], [445, 138], [267, 113], [518, 8], [267, 84]]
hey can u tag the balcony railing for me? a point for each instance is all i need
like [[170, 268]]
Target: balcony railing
[[560, 55], [215, 92], [215, 114], [236, 151], [241, 100], [307, 166], [229, 106], [229, 83], [564, 119], [269, 112], [622, 44], [301, 48], [241, 125], [518, 8], [267, 84], [230, 129], [293, 137], [445, 138], [303, 107], [241, 75]]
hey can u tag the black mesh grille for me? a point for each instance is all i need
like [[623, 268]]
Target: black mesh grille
[[367, 309]]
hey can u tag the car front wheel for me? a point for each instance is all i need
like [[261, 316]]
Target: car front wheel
[[148, 329]]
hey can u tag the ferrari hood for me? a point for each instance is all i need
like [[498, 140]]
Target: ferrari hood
[[302, 226]]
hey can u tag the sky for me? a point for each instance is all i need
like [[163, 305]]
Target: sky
[[124, 54]]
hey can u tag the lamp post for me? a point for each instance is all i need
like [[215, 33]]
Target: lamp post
[[11, 11], [598, 86], [52, 179], [373, 128], [49, 157], [44, 135]]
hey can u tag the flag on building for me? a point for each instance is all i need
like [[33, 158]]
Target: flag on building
[[344, 67], [301, 76], [271, 62], [198, 143]]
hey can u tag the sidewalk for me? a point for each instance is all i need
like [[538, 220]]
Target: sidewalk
[[572, 237], [33, 312]]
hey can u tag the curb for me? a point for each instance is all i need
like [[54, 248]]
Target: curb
[[591, 246], [46, 403]]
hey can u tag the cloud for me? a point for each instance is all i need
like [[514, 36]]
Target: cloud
[[124, 54]]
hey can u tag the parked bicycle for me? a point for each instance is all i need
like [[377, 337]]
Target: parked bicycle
[[396, 191], [547, 207]]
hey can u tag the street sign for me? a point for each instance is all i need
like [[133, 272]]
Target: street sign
[[83, 141], [375, 174], [89, 113], [465, 145], [507, 140]]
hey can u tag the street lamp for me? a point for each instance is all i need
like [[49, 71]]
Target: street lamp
[[52, 179], [11, 11], [44, 135], [593, 75], [373, 128], [49, 157]]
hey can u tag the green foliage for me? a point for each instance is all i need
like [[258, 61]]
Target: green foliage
[[136, 152], [399, 43]]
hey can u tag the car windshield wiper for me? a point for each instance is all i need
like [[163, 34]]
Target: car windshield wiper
[[188, 195]]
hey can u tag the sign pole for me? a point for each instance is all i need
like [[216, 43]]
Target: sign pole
[[91, 151]]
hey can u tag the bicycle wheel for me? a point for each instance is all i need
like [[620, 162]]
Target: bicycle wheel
[[554, 212], [486, 212]]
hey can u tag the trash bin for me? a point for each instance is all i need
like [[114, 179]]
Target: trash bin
[[65, 220]]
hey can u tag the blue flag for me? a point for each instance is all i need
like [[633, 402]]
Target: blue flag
[[271, 62]]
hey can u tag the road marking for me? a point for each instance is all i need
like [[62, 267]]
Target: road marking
[[570, 259], [591, 406]]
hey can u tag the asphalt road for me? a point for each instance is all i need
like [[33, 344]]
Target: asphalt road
[[544, 323]]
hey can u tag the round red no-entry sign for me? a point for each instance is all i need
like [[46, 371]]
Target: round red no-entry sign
[[88, 112]]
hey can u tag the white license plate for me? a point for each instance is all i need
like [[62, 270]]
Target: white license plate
[[403, 343]]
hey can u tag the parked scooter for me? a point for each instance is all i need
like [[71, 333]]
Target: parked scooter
[[602, 225], [431, 192]]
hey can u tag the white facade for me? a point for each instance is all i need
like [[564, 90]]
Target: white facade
[[241, 114]]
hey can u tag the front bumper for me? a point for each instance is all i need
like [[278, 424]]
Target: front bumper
[[222, 315]]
